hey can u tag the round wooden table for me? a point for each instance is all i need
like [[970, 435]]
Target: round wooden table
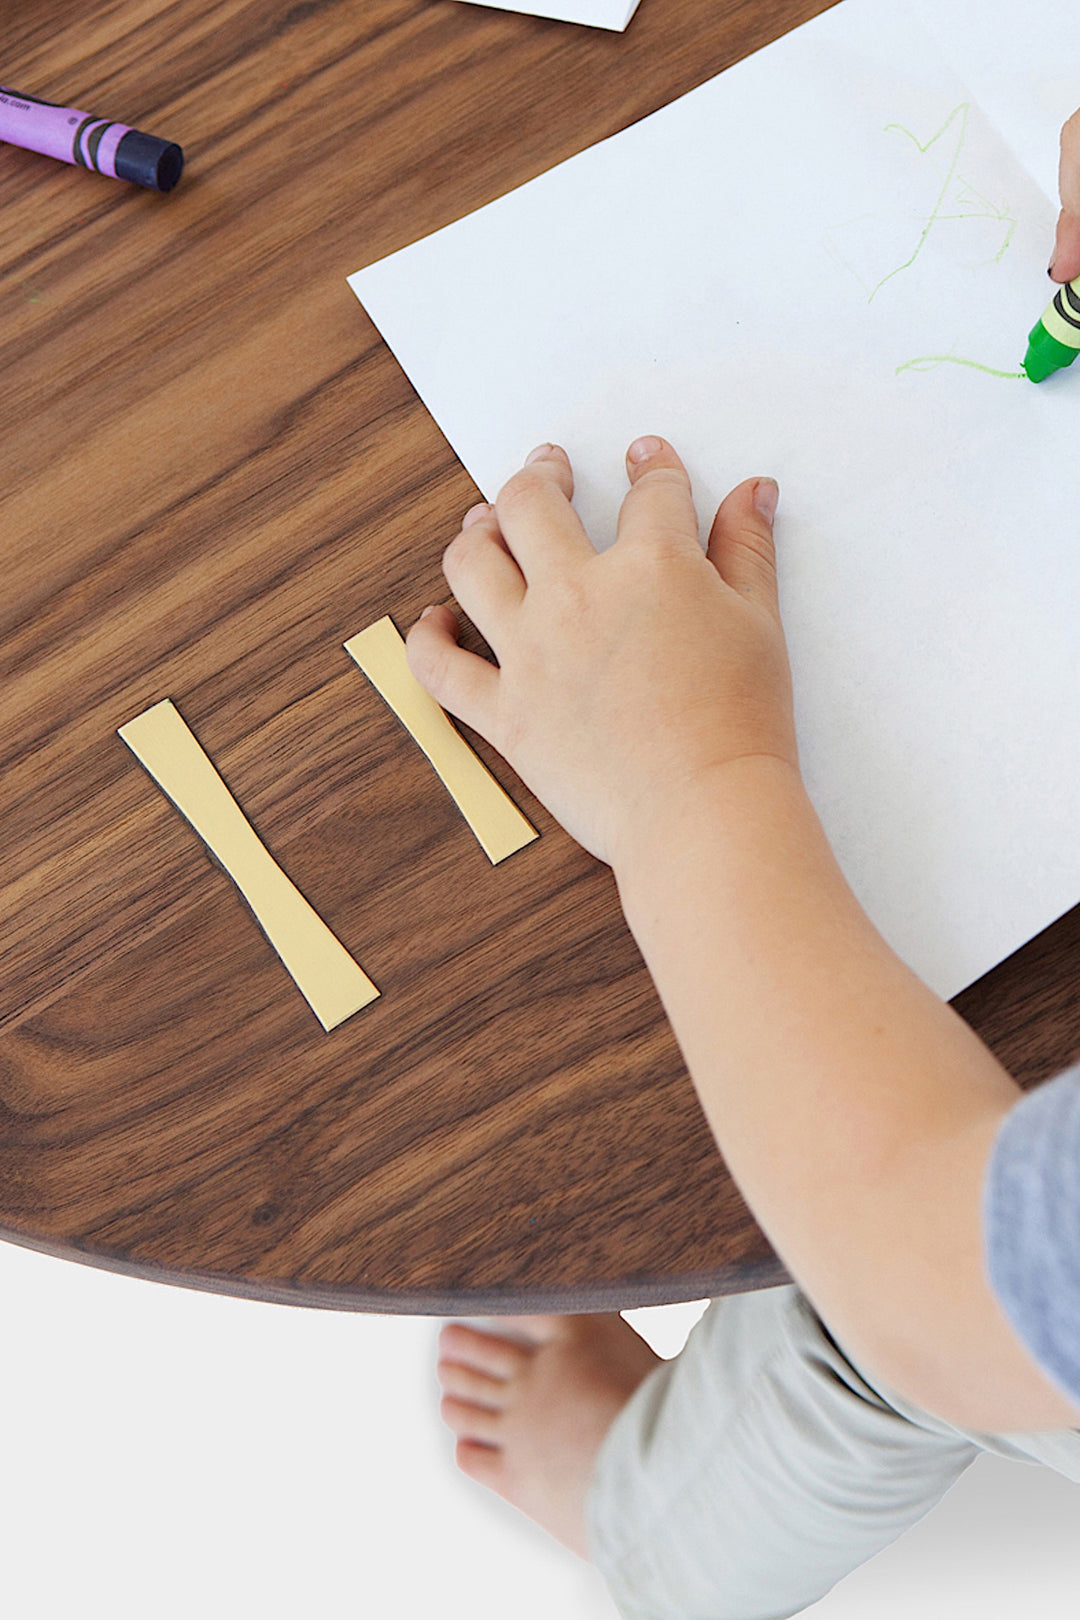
[[213, 473]]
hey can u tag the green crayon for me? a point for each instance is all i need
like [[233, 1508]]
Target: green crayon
[[1054, 341]]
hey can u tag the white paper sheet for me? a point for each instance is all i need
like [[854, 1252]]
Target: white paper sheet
[[1021, 62], [597, 13], [751, 272]]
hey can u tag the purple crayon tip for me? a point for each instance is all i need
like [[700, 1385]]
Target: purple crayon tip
[[148, 161]]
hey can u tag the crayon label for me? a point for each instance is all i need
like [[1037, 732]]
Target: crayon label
[[1062, 319], [60, 132]]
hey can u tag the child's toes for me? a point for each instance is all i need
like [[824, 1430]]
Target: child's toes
[[499, 1358], [485, 1464], [469, 1385], [470, 1422], [534, 1329]]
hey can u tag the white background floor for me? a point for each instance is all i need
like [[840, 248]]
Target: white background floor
[[168, 1454]]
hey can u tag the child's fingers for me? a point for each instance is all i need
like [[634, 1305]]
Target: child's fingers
[[741, 545], [1065, 263], [1069, 172], [482, 574], [540, 527], [462, 683], [659, 505]]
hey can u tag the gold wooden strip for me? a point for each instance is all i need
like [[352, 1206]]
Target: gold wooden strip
[[497, 822], [333, 985]]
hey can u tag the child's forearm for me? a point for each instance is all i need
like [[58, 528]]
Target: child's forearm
[[854, 1108]]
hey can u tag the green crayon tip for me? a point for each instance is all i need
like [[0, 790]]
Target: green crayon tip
[[1045, 354]]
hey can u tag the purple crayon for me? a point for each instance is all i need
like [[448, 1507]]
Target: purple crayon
[[92, 143]]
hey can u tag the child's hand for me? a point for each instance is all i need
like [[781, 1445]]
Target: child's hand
[[625, 679], [1065, 264]]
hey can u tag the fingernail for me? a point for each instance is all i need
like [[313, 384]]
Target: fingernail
[[426, 611], [539, 453], [642, 449], [475, 513], [766, 498]]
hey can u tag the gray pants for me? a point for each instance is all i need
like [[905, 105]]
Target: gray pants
[[745, 1477]]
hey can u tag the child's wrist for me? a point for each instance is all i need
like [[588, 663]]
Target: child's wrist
[[675, 818]]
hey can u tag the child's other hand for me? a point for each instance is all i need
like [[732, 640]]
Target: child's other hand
[[1065, 264], [626, 679]]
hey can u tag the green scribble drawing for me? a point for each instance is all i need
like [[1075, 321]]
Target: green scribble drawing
[[957, 199], [927, 362], [987, 210], [959, 114]]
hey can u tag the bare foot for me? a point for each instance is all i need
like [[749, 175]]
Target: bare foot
[[530, 1417]]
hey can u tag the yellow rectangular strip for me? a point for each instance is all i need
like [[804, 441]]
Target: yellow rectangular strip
[[333, 985], [497, 822]]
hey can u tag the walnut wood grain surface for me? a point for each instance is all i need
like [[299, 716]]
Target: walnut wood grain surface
[[211, 473]]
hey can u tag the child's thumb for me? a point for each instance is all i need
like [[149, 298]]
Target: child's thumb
[[1065, 263], [741, 545]]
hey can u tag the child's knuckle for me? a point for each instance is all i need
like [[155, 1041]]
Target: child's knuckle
[[458, 552], [520, 492], [756, 545], [658, 476], [427, 661]]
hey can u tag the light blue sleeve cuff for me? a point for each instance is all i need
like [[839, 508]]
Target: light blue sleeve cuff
[[1031, 1225]]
